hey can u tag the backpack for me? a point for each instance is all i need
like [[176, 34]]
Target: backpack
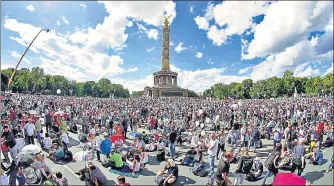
[[160, 180], [247, 164], [68, 155], [270, 160], [82, 138], [250, 177], [293, 135], [259, 144], [203, 173], [197, 168], [256, 134]]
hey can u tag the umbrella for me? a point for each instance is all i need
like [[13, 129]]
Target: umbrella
[[32, 112], [288, 179], [83, 156], [115, 136], [32, 148], [136, 134], [59, 113], [25, 158]]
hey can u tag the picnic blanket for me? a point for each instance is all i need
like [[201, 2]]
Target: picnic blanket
[[124, 171]]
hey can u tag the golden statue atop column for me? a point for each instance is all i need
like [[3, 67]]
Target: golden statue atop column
[[165, 46], [165, 81]]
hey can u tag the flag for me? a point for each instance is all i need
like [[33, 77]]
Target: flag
[[230, 98]]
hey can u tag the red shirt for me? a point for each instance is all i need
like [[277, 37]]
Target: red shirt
[[320, 128], [12, 115]]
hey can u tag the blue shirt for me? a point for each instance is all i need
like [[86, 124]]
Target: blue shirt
[[319, 157], [277, 136]]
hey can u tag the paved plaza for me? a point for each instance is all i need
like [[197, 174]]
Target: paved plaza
[[315, 174]]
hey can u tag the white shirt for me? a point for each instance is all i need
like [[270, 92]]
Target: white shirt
[[4, 180], [213, 151], [194, 140], [19, 143], [92, 131], [161, 146], [30, 128], [64, 138], [97, 142], [47, 143]]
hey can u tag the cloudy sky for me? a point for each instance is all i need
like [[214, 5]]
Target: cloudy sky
[[210, 41]]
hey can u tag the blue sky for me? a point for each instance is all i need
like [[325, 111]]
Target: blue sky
[[210, 41]]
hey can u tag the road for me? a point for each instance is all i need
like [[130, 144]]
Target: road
[[315, 174]]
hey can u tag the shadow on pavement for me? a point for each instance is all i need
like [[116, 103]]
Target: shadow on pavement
[[146, 172], [314, 175], [73, 142], [111, 182], [182, 180]]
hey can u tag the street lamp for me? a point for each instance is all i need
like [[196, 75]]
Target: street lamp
[[11, 78]]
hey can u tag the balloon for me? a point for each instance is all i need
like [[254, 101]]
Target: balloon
[[58, 91]]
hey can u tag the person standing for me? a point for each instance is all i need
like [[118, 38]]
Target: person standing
[[12, 117], [212, 153], [298, 161], [172, 139], [30, 131], [221, 145], [48, 122], [277, 138], [223, 169], [244, 167], [9, 141], [125, 126], [255, 136], [272, 163]]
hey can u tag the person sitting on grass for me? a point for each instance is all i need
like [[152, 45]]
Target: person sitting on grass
[[121, 181], [115, 160], [171, 171]]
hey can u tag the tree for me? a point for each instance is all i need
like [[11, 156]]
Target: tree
[[288, 80], [192, 94], [137, 93], [247, 85]]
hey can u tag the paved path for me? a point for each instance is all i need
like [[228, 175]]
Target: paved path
[[315, 174]]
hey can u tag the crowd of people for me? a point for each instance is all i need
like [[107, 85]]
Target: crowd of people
[[298, 127]]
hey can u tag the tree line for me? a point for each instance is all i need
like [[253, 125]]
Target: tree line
[[274, 87], [36, 81]]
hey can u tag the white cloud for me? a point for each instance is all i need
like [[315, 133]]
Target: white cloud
[[30, 8], [203, 46], [134, 69], [65, 20], [301, 53], [210, 62], [237, 17], [18, 56], [83, 5], [199, 55], [202, 22], [305, 70], [217, 36], [179, 48], [191, 9], [171, 43], [153, 34], [282, 28], [150, 49], [330, 69], [244, 70], [58, 23], [58, 56], [130, 24]]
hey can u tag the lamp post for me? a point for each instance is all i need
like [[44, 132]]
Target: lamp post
[[11, 78]]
